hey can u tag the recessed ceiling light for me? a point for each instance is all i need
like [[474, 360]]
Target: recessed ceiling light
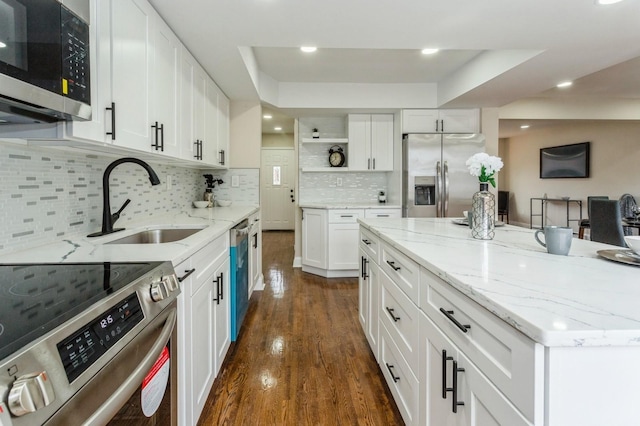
[[2, 45], [429, 51], [524, 126], [267, 116], [277, 128], [605, 2], [565, 84], [308, 49]]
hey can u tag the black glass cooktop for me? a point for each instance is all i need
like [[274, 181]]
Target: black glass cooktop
[[36, 298]]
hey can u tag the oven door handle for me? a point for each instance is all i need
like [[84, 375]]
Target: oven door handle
[[112, 405]]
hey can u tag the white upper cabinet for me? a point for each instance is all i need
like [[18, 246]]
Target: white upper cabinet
[[440, 121], [192, 107], [370, 142], [148, 92]]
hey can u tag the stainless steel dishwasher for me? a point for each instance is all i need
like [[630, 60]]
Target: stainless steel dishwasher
[[239, 253]]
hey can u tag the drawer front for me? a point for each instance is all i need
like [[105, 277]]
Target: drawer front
[[371, 213], [402, 270], [402, 383], [508, 358], [402, 319], [206, 259], [370, 244], [345, 215]]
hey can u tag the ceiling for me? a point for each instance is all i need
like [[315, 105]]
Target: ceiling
[[492, 52]]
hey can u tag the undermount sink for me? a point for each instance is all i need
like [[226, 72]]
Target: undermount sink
[[157, 236]]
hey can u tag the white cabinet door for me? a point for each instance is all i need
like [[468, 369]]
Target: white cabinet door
[[359, 142], [343, 246], [192, 107], [382, 142], [223, 130], [363, 291], [440, 121], [202, 354], [222, 312], [314, 238], [419, 120], [373, 308], [459, 121], [370, 142], [255, 253], [131, 78], [210, 142], [478, 401], [165, 94], [99, 39]]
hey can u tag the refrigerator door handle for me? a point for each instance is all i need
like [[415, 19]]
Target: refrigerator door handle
[[439, 190], [446, 189]]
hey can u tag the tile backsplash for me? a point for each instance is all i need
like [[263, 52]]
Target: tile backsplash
[[47, 194], [355, 188], [246, 193]]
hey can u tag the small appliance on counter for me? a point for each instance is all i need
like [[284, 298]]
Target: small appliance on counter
[[208, 192], [382, 198]]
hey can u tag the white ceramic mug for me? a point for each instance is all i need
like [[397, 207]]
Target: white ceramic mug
[[557, 239]]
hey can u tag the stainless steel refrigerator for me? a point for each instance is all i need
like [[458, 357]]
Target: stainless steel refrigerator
[[436, 182]]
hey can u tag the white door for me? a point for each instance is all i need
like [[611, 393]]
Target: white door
[[277, 199]]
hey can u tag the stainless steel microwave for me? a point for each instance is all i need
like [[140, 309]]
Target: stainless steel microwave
[[44, 60]]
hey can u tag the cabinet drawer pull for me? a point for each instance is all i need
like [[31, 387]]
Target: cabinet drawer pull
[[219, 288], [364, 268], [382, 215], [113, 121], [454, 389], [187, 273], [393, 376], [445, 358], [393, 265], [346, 215], [449, 315], [393, 317], [367, 242]]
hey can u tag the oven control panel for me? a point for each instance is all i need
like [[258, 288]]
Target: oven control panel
[[87, 345]]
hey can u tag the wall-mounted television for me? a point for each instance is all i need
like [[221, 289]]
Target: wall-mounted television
[[566, 161]]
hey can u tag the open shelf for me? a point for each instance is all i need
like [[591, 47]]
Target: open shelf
[[325, 140], [325, 169]]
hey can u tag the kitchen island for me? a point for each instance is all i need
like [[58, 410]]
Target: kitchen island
[[543, 339]]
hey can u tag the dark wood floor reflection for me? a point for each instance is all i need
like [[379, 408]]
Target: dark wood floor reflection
[[301, 358]]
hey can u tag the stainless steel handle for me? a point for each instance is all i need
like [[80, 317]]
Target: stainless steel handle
[[446, 189], [113, 404], [439, 192]]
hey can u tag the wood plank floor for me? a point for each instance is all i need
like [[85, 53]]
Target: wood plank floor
[[301, 357]]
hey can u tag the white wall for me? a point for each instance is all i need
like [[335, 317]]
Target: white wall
[[615, 155], [278, 140], [245, 134]]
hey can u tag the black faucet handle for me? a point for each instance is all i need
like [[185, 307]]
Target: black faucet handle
[[116, 215]]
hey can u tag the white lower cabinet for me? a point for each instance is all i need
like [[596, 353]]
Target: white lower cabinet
[[330, 239], [368, 299], [447, 361], [203, 325], [256, 279], [453, 391]]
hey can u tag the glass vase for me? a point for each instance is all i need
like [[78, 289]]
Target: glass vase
[[483, 206]]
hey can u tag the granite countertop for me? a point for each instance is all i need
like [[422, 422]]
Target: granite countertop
[[79, 248], [575, 300], [345, 205]]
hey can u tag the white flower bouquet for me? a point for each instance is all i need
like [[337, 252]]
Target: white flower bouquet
[[484, 166]]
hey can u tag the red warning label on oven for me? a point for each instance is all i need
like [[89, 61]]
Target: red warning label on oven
[[155, 384]]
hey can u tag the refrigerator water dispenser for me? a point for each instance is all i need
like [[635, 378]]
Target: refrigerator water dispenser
[[425, 190]]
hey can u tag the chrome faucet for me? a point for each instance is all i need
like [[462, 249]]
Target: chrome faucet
[[108, 219]]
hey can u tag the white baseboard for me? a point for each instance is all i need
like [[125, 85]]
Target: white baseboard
[[297, 262]]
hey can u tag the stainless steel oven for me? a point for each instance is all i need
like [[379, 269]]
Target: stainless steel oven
[[44, 59], [88, 344]]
